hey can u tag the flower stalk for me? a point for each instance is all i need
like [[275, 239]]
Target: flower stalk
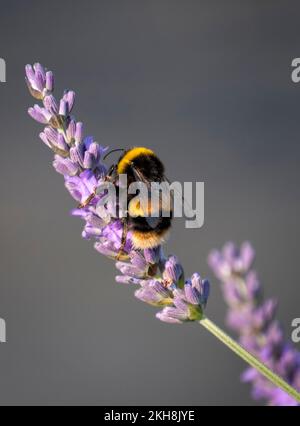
[[249, 358]]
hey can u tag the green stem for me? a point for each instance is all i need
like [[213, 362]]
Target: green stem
[[250, 359]]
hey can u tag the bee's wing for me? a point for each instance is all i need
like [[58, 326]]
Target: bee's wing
[[184, 201], [153, 205], [141, 177]]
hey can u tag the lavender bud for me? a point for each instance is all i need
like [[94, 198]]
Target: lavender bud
[[201, 290], [76, 154], [192, 294], [128, 269], [71, 129], [247, 255], [107, 249], [51, 104], [79, 133], [153, 255], [138, 260], [95, 150], [49, 81], [94, 220], [122, 279], [91, 232], [231, 294], [38, 81], [56, 139], [52, 135], [82, 186], [39, 69], [69, 98], [173, 270], [65, 166], [40, 114], [154, 293], [30, 74], [88, 162], [63, 108], [220, 267], [45, 140], [196, 281], [252, 285], [167, 315], [175, 315], [61, 143]]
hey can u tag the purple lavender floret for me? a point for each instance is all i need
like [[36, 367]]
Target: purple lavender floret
[[79, 159], [39, 81], [254, 321]]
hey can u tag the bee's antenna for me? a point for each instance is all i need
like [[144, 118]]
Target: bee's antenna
[[113, 150]]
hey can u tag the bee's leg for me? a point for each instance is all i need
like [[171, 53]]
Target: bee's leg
[[87, 201], [124, 237]]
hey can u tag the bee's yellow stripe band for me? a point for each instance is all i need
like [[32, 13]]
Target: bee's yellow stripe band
[[130, 156]]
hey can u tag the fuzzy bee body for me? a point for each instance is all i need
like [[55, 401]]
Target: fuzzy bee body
[[142, 164]]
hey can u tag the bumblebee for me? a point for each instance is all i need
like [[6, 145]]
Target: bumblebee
[[141, 164]]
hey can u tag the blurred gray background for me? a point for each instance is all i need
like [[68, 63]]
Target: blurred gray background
[[207, 85]]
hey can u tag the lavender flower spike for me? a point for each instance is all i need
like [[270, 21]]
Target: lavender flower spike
[[254, 321], [160, 279]]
